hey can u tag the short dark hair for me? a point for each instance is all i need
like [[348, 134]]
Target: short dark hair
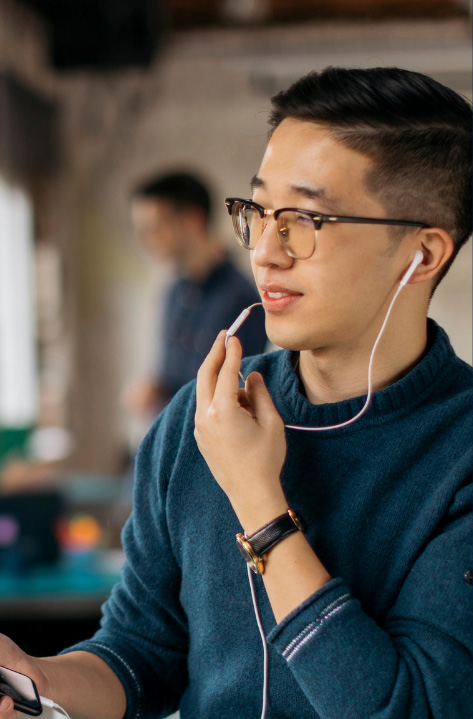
[[182, 189], [416, 131]]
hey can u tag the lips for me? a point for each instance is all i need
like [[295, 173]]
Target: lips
[[276, 298]]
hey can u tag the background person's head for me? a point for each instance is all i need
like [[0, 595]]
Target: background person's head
[[171, 214], [416, 132]]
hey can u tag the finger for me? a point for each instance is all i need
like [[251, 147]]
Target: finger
[[259, 398], [228, 382], [208, 373], [6, 705], [243, 400]]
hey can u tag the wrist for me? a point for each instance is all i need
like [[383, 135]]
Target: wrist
[[42, 677], [254, 547], [253, 513]]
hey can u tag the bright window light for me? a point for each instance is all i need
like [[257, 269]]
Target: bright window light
[[18, 382]]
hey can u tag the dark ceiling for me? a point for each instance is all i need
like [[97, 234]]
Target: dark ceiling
[[101, 33], [109, 34]]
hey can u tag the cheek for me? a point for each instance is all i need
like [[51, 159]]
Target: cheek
[[166, 242], [337, 298], [327, 281], [350, 268]]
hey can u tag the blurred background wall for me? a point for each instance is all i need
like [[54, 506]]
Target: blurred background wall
[[184, 83]]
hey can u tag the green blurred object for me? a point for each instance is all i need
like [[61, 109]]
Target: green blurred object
[[13, 442]]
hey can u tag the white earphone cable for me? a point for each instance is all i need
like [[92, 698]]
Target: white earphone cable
[[370, 366], [264, 642], [55, 707], [418, 257], [311, 429]]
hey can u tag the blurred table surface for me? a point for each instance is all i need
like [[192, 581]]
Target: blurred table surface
[[61, 590]]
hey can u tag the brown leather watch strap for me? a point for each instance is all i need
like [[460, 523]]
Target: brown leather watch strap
[[275, 531]]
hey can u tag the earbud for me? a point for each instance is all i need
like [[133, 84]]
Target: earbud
[[418, 257]]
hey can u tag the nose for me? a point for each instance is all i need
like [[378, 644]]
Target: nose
[[268, 250]]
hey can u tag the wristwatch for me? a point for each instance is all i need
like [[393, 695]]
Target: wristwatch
[[254, 547]]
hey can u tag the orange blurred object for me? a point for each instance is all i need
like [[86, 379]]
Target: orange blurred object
[[80, 533]]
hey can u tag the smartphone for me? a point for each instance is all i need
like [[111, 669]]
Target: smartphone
[[22, 690]]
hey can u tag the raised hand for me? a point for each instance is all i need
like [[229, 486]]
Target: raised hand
[[241, 435]]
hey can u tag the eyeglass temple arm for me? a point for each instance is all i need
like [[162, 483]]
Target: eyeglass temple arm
[[371, 221]]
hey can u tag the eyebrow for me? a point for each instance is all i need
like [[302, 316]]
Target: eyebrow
[[309, 193]]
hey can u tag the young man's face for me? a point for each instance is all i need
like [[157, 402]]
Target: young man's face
[[158, 227], [337, 297]]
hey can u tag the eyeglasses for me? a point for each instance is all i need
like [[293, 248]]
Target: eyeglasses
[[296, 229]]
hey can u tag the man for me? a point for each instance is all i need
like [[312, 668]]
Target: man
[[171, 215], [367, 611]]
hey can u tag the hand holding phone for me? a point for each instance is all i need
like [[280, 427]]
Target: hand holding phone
[[22, 690]]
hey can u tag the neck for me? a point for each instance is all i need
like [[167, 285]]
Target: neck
[[334, 374], [200, 258]]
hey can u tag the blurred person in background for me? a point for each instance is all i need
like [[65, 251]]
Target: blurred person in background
[[171, 214]]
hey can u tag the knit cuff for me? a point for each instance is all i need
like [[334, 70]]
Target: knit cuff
[[304, 624]]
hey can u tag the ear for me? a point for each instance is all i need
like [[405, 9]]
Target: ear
[[437, 246]]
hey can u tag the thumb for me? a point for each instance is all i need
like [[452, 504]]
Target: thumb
[[259, 397], [6, 704]]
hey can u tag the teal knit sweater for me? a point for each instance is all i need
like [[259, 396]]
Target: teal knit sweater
[[388, 504]]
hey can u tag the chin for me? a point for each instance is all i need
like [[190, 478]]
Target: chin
[[288, 339]]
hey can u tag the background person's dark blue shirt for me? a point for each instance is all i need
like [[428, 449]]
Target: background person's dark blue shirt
[[194, 314]]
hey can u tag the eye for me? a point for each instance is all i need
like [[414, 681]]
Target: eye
[[304, 220]]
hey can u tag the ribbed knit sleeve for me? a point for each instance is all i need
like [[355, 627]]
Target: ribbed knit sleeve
[[143, 635], [417, 665]]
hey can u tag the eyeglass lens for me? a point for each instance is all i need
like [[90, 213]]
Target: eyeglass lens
[[296, 230]]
